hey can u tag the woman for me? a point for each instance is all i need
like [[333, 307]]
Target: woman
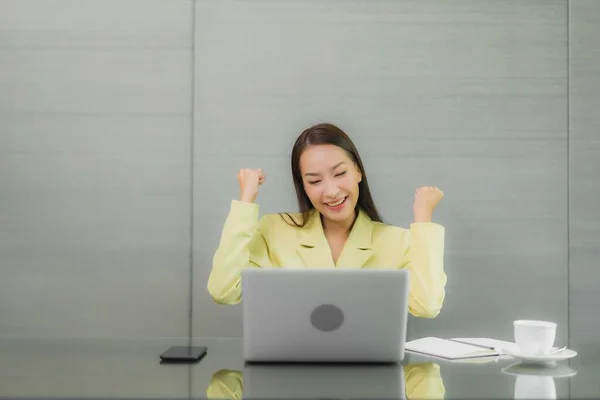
[[338, 226]]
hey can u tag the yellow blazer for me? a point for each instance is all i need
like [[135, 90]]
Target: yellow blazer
[[421, 381], [270, 242]]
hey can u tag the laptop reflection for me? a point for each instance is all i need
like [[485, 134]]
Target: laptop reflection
[[353, 381]]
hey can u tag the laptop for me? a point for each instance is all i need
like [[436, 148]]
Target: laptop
[[324, 315]]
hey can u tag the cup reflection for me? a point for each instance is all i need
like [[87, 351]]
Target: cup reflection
[[535, 381], [535, 387]]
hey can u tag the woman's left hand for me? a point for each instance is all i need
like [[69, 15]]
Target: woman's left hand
[[426, 199]]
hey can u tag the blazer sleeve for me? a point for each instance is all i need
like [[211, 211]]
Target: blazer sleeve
[[423, 381], [425, 261], [226, 384], [242, 245]]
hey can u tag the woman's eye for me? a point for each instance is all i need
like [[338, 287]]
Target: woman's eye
[[341, 173], [314, 183]]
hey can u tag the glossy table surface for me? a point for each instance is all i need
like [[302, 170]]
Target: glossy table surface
[[118, 368]]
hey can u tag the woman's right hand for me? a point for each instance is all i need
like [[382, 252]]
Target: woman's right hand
[[250, 180]]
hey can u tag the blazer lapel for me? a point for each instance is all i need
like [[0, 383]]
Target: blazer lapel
[[358, 248], [314, 249], [315, 252]]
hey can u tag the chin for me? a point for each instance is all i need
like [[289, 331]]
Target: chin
[[338, 217], [335, 217]]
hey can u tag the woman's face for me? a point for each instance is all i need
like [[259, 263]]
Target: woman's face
[[330, 180]]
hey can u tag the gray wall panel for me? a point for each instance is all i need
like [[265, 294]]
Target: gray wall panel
[[584, 146], [95, 165]]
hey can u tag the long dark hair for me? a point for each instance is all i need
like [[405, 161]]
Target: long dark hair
[[327, 133]]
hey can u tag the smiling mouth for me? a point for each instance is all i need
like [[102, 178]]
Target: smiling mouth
[[337, 203]]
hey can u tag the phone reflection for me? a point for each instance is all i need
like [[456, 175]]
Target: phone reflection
[[293, 381]]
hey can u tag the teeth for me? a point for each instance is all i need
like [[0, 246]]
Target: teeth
[[336, 204]]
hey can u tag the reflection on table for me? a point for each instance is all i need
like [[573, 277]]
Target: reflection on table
[[537, 382], [411, 381]]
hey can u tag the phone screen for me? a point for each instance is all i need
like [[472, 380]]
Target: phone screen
[[184, 353]]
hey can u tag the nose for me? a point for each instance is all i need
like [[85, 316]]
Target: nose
[[331, 190]]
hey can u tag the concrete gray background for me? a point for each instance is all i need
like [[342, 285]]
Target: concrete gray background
[[123, 123]]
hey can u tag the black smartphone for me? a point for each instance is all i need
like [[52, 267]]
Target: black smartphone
[[183, 354]]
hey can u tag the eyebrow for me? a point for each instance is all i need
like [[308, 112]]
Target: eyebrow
[[317, 174]]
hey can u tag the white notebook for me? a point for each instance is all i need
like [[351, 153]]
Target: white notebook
[[458, 348]]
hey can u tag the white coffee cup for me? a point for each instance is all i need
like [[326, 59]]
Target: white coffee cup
[[534, 338]]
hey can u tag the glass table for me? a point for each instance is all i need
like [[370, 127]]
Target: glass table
[[105, 368]]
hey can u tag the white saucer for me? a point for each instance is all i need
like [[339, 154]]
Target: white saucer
[[557, 371], [561, 355]]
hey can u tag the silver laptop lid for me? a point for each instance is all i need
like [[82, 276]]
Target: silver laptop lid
[[330, 315]]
